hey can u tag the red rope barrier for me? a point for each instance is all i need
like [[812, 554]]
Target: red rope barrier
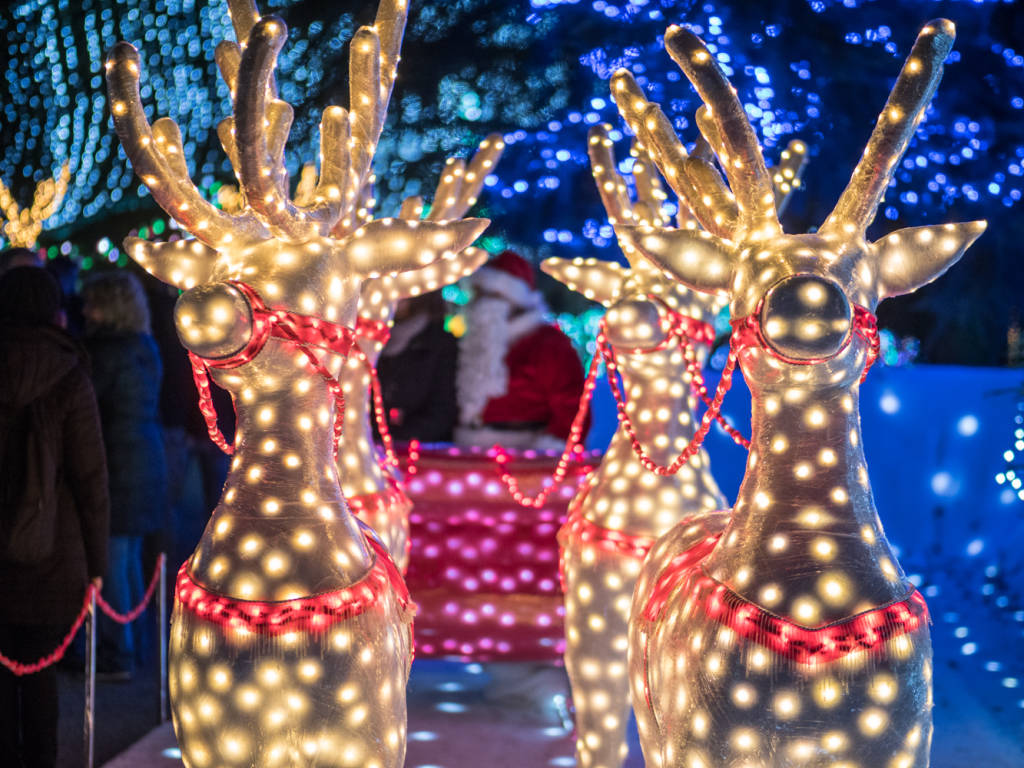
[[133, 614], [20, 669], [56, 655]]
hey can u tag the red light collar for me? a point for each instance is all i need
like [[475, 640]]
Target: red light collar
[[306, 614]]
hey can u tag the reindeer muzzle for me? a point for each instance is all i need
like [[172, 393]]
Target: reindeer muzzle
[[805, 318]]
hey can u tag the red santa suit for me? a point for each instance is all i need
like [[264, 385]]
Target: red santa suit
[[519, 378]]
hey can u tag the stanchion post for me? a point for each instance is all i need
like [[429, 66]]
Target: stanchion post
[[161, 597], [90, 680]]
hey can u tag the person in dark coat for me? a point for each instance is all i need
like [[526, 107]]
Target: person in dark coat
[[126, 373], [44, 371], [417, 372]]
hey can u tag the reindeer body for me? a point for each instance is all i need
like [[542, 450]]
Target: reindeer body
[[623, 502], [291, 639], [283, 532], [624, 507], [792, 638], [371, 487]]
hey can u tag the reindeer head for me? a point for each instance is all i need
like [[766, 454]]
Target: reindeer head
[[639, 297], [802, 291], [24, 224], [305, 259]]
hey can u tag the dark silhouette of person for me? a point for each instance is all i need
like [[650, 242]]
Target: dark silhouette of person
[[47, 402]]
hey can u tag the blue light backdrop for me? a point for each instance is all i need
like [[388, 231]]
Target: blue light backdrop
[[536, 70]]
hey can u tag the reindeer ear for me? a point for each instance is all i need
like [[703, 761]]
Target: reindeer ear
[[183, 263], [697, 259], [596, 279], [387, 246], [909, 258], [435, 276]]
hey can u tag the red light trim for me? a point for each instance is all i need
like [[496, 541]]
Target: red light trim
[[373, 330], [676, 325], [712, 414], [306, 614], [611, 540], [573, 449], [804, 645]]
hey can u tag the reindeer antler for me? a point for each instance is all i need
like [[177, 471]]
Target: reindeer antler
[[459, 186], [694, 180], [157, 156], [255, 136], [260, 171], [739, 151], [373, 66], [907, 103], [612, 187], [24, 224]]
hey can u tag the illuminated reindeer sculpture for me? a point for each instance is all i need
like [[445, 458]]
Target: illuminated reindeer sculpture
[[23, 225], [291, 638], [370, 487], [793, 638], [623, 507]]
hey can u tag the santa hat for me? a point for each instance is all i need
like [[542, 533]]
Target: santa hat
[[509, 275]]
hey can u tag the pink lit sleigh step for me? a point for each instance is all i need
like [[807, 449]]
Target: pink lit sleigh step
[[483, 570]]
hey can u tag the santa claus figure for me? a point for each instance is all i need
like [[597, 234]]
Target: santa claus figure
[[519, 379]]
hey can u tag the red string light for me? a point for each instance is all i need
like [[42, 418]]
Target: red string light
[[710, 415], [573, 448], [379, 415], [306, 614], [746, 333], [679, 329], [373, 330]]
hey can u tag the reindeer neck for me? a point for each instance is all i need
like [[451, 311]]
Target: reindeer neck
[[358, 469], [805, 541], [661, 405], [282, 528]]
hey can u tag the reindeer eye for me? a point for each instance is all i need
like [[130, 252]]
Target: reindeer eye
[[213, 321], [806, 317]]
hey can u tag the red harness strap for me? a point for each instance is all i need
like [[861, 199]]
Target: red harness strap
[[392, 504], [301, 330], [747, 332], [610, 540], [306, 614]]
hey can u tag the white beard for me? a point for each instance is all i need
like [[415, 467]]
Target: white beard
[[482, 373]]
